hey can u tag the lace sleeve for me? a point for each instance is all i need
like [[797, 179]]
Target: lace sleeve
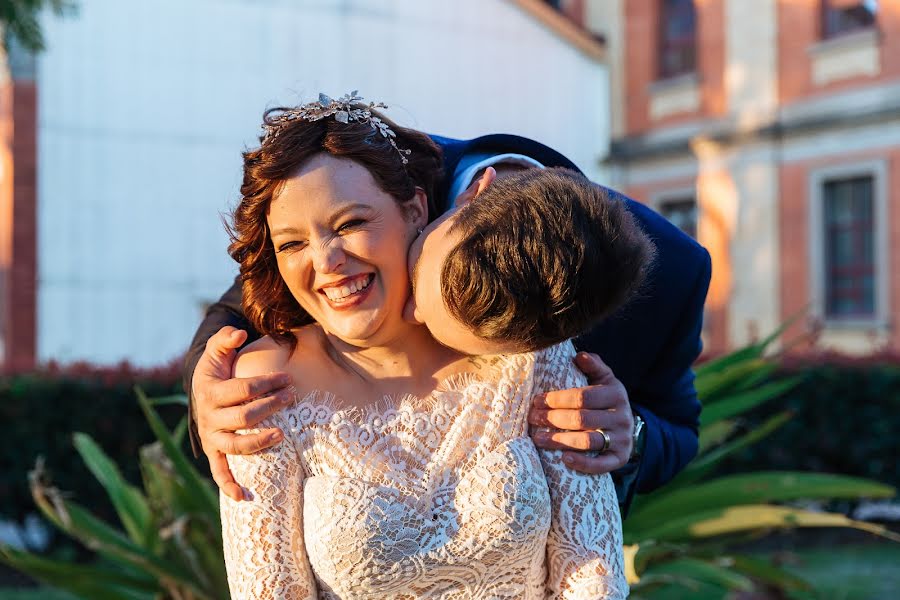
[[263, 538], [584, 545]]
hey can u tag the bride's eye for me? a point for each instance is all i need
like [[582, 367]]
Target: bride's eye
[[292, 245], [350, 225]]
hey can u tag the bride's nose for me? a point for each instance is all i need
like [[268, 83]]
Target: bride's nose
[[329, 255]]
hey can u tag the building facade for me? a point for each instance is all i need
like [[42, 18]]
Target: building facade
[[770, 130]]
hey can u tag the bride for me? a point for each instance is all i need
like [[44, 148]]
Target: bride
[[407, 470]]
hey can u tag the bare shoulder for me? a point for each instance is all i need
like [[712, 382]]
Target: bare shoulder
[[261, 357], [307, 362]]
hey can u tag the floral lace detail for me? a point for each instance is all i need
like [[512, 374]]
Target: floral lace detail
[[443, 497]]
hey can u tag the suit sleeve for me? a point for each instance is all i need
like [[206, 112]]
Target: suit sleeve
[[227, 311], [669, 406]]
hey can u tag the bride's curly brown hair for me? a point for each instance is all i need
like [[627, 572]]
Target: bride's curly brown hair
[[268, 304]]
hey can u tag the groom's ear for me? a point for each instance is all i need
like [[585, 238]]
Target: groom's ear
[[476, 187]]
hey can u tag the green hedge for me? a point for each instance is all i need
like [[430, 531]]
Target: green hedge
[[847, 415], [40, 411]]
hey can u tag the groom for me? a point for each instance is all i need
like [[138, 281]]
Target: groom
[[641, 393]]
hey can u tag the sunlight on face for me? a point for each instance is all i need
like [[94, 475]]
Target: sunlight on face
[[340, 242]]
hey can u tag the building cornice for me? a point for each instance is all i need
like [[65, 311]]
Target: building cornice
[[657, 145], [579, 38]]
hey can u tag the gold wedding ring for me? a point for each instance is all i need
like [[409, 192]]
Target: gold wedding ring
[[606, 440]]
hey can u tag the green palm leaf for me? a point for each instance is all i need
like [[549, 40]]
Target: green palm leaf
[[129, 503], [752, 488]]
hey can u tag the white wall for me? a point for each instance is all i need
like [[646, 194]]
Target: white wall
[[144, 108]]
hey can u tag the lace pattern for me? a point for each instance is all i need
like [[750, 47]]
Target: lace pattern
[[443, 497]]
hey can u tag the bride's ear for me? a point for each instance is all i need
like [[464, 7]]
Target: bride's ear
[[417, 209]]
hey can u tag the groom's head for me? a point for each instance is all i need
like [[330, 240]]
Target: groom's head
[[538, 257]]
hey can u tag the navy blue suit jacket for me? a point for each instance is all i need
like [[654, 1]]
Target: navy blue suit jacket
[[650, 344]]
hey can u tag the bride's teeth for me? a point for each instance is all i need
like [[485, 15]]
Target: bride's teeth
[[341, 293]]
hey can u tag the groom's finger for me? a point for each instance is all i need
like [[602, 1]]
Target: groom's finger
[[248, 414], [580, 441], [235, 391], [251, 443], [218, 466], [590, 397], [593, 367], [218, 355], [571, 420], [593, 465]]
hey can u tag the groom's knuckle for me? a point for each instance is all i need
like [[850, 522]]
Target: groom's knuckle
[[583, 419], [230, 445], [579, 398], [243, 389], [245, 417]]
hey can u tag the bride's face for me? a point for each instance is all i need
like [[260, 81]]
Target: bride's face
[[340, 244]]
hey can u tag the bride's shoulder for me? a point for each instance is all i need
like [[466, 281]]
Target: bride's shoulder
[[265, 355], [268, 355]]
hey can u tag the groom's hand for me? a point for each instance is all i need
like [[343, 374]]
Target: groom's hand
[[574, 417], [222, 405]]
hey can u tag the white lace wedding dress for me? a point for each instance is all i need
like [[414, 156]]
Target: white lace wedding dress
[[444, 497]]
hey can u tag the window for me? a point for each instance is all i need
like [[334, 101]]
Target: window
[[677, 38], [682, 213], [846, 16], [849, 252]]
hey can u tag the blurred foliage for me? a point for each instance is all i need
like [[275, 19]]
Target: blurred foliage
[[19, 19], [687, 535], [846, 419], [40, 410], [170, 543]]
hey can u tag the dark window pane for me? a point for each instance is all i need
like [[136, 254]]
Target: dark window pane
[[849, 248], [845, 16], [677, 37], [682, 213]]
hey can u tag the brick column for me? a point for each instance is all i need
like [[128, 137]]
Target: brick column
[[18, 218]]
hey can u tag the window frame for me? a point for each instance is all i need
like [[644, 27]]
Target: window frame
[[818, 178]]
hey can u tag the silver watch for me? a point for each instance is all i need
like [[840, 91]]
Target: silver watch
[[637, 438]]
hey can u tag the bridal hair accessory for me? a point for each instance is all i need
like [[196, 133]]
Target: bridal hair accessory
[[349, 107]]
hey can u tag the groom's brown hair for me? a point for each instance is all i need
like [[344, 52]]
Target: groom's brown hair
[[544, 254]]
